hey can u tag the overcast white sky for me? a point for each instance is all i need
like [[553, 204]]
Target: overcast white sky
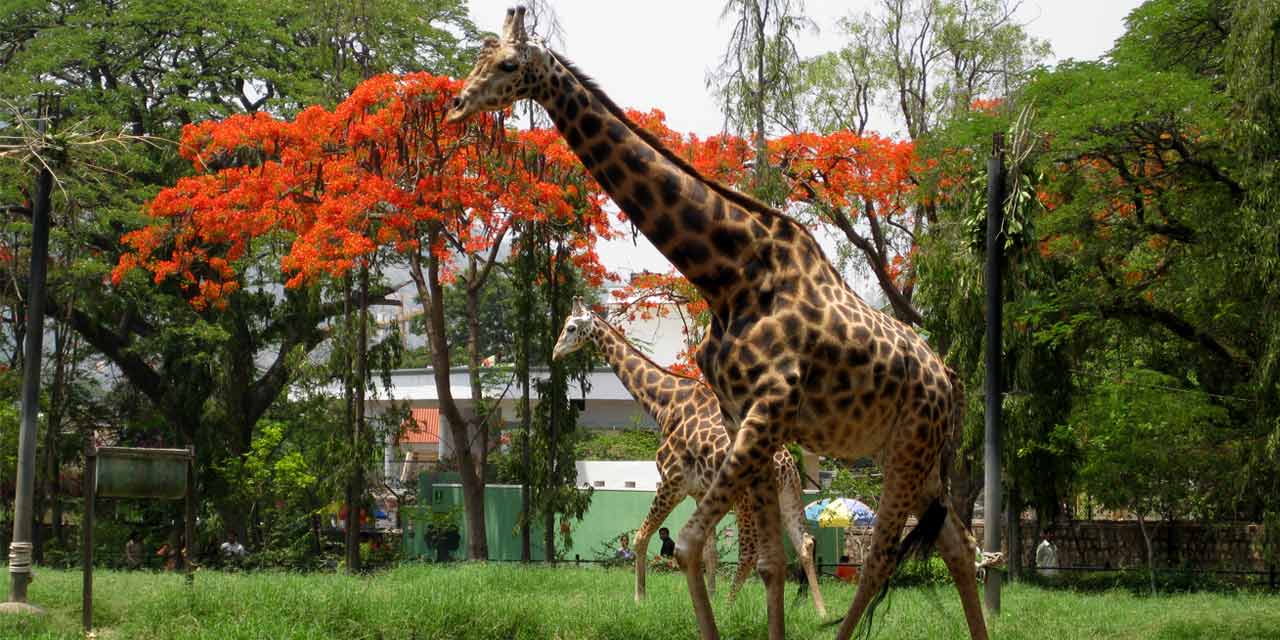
[[656, 53]]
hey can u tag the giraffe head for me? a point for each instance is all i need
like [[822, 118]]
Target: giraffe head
[[577, 330], [507, 69]]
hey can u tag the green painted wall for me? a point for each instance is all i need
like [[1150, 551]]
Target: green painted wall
[[611, 513]]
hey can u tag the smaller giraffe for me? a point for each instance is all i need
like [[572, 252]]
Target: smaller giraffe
[[694, 445]]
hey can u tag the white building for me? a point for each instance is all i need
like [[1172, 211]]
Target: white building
[[621, 475], [605, 404]]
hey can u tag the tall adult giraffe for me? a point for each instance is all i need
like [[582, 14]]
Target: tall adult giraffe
[[694, 445], [792, 354]]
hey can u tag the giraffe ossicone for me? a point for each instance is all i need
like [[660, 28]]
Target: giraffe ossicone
[[791, 353]]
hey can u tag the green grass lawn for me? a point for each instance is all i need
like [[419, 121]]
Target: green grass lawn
[[510, 601]]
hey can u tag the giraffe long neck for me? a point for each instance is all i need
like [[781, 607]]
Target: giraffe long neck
[[651, 385], [713, 240]]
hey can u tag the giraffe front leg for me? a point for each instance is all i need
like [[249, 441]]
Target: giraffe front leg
[[669, 494], [747, 549], [741, 467]]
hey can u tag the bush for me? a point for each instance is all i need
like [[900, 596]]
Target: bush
[[58, 556], [606, 553], [290, 547], [922, 573], [387, 553], [1137, 580], [625, 444]]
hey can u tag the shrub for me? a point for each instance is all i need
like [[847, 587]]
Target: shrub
[[922, 573], [625, 444], [1137, 580]]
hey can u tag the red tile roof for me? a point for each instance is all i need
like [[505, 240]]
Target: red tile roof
[[422, 427]]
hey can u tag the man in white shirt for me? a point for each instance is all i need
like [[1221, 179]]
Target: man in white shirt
[[1047, 556], [232, 550]]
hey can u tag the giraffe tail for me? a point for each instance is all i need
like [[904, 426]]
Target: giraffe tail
[[919, 542], [802, 591]]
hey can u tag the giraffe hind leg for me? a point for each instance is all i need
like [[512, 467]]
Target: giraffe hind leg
[[747, 549], [901, 497], [958, 549], [711, 560], [917, 544]]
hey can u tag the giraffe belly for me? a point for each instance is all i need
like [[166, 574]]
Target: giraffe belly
[[847, 377]]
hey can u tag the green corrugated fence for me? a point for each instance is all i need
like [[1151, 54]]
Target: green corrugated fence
[[611, 513]]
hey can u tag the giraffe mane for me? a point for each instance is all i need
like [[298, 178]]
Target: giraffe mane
[[733, 195], [644, 356]]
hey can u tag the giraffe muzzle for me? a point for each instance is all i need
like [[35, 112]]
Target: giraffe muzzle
[[457, 110], [559, 351]]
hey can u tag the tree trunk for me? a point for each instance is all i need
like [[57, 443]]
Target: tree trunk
[[966, 486], [762, 149], [481, 417], [58, 533], [351, 537], [1015, 531], [317, 542], [1151, 554], [1035, 539], [48, 494], [431, 293], [526, 417], [553, 418], [355, 485]]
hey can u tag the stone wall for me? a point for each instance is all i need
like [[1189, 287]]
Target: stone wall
[[1118, 543]]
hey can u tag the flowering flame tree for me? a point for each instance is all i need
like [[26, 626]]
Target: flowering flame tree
[[381, 176]]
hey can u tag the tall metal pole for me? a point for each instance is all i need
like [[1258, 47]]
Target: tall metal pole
[[992, 508], [191, 551], [89, 488], [20, 547]]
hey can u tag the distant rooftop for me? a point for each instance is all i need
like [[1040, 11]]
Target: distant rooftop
[[422, 427]]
